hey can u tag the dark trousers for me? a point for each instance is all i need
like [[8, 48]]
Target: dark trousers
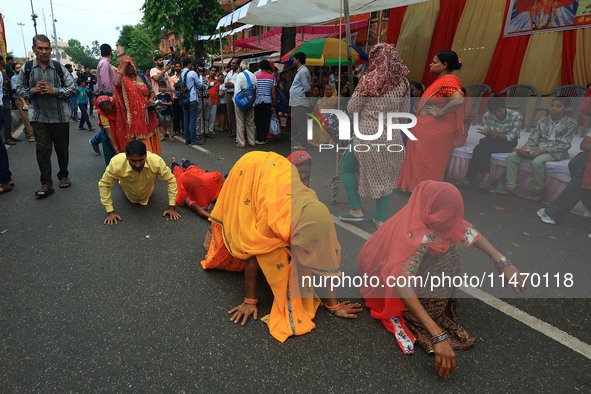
[[91, 105], [572, 193], [84, 116], [299, 124], [5, 175], [47, 134], [262, 120], [7, 117], [480, 163], [177, 116]]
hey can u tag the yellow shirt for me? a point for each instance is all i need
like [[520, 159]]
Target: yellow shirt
[[137, 186]]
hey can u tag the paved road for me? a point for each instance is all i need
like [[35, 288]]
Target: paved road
[[87, 307]]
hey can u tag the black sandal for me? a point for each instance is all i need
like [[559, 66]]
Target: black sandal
[[45, 191], [65, 183]]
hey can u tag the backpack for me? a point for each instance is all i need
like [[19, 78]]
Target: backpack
[[180, 89], [56, 65], [245, 99]]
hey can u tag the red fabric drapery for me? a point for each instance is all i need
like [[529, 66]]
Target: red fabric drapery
[[395, 23], [448, 18], [506, 61], [569, 50]]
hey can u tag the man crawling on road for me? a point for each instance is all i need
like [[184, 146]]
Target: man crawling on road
[[136, 170]]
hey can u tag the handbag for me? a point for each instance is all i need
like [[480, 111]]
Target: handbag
[[274, 126]]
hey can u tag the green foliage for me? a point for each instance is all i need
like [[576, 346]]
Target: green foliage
[[81, 54], [188, 18], [125, 34], [141, 48]]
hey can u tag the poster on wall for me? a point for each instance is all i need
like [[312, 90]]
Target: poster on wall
[[538, 16], [3, 49]]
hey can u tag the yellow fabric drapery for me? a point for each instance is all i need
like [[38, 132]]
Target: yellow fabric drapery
[[582, 66], [476, 38], [415, 37], [542, 62]]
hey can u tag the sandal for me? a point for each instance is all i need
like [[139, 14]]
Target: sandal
[[209, 135], [347, 217], [65, 183], [6, 188], [31, 139], [45, 191], [240, 146], [507, 193], [370, 220], [537, 196], [484, 186]]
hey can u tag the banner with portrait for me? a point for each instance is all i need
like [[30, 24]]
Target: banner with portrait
[[537, 16]]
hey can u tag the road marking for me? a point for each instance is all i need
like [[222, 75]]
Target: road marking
[[178, 138], [533, 322]]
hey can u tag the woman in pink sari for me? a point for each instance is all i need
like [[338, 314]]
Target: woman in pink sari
[[132, 97], [439, 124], [422, 241]]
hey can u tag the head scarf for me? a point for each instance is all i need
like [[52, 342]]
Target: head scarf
[[101, 99], [131, 100], [386, 70], [435, 212], [299, 156]]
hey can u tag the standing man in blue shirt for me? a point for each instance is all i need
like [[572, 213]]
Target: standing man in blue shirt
[[299, 92], [190, 108]]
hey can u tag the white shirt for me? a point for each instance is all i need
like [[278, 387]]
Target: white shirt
[[240, 82], [230, 77]]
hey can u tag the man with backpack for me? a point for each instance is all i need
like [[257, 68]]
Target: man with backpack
[[47, 86], [186, 90], [244, 97]]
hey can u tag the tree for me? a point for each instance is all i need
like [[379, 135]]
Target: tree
[[288, 39], [125, 34], [81, 54], [188, 18], [141, 48]]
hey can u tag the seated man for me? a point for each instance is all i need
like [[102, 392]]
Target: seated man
[[578, 189], [197, 189], [550, 141], [501, 133], [136, 170]]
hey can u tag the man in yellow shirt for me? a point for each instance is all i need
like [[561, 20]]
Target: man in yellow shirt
[[136, 171]]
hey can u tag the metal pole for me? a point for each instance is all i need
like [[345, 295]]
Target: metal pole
[[57, 50], [34, 17], [349, 53], [221, 51], [23, 37], [44, 23]]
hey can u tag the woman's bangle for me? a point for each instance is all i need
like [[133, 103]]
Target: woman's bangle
[[251, 301], [334, 308], [502, 262], [439, 338], [494, 253]]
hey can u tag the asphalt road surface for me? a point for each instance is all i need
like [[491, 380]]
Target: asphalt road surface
[[87, 307]]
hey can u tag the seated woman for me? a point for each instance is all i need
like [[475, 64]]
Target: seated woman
[[422, 239], [266, 219], [303, 162], [197, 189]]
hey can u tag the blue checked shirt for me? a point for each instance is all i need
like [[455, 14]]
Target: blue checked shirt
[[47, 108]]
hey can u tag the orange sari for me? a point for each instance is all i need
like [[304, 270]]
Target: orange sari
[[264, 210], [427, 158], [134, 122]]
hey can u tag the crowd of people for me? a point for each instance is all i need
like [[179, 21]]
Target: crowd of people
[[265, 216]]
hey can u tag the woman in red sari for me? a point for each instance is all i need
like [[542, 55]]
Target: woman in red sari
[[422, 241], [132, 97], [439, 123]]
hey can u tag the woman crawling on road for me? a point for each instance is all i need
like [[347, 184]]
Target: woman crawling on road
[[266, 219], [422, 240]]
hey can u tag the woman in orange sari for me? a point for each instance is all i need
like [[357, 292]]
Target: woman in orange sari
[[132, 97], [266, 219], [439, 124]]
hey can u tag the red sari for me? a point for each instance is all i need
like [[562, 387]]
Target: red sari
[[134, 122], [196, 185], [427, 158]]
